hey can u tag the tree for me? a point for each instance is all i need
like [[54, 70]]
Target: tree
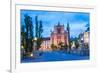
[[23, 42], [77, 44], [63, 46], [40, 29], [53, 47], [38, 32], [88, 27], [36, 26], [23, 36], [29, 33]]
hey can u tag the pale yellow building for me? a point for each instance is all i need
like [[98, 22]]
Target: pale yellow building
[[86, 37]]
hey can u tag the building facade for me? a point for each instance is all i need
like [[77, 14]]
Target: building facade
[[45, 46], [86, 37], [57, 36]]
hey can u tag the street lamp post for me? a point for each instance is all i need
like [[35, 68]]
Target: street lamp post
[[34, 43], [35, 39]]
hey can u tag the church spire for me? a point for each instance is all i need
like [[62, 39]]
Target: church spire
[[58, 23]]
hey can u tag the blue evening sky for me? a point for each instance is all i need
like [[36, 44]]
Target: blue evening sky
[[78, 21]]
